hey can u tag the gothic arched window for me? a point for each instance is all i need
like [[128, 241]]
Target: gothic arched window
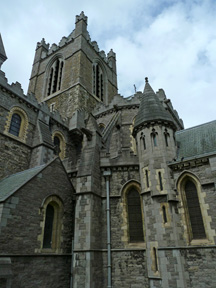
[[194, 211], [15, 124], [142, 138], [166, 136], [98, 82], [154, 137], [135, 216], [59, 144], [55, 76], [52, 223]]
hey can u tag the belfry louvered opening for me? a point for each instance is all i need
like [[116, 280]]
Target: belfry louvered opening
[[55, 76]]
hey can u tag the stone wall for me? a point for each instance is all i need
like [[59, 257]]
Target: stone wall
[[125, 263], [200, 264], [22, 221], [42, 271], [14, 156]]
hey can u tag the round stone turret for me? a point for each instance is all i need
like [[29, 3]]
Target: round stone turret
[[151, 109]]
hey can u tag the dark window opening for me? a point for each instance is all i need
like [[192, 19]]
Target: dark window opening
[[164, 214], [142, 138], [155, 259], [57, 144], [154, 140], [50, 82], [154, 137], [147, 178], [15, 124], [55, 76], [166, 136], [194, 211], [60, 76], [135, 216], [98, 82], [166, 140], [48, 229], [160, 181]]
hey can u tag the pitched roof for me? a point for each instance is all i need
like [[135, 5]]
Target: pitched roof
[[197, 141], [151, 108], [12, 183]]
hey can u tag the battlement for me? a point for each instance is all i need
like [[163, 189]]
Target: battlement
[[51, 49]]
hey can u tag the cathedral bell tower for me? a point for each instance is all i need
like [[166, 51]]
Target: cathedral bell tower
[[73, 74]]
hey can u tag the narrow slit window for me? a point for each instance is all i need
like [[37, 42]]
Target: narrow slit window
[[160, 181], [155, 259], [144, 142], [48, 229], [166, 136], [57, 145], [142, 139], [166, 140], [164, 214], [154, 137], [147, 178]]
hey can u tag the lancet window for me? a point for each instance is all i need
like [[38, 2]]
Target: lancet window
[[55, 76]]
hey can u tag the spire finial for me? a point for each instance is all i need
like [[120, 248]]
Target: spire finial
[[146, 79]]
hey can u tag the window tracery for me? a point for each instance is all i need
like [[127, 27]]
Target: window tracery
[[55, 76], [98, 82]]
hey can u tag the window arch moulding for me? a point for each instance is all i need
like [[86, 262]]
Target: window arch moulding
[[50, 238], [54, 75], [131, 187], [99, 81], [13, 128], [60, 148], [186, 181]]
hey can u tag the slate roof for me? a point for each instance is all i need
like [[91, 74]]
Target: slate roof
[[12, 183], [151, 108], [197, 141]]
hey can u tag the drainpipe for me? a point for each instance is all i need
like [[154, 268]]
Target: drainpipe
[[72, 244], [107, 175], [72, 256]]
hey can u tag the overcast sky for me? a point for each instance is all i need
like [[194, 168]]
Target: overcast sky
[[171, 42]]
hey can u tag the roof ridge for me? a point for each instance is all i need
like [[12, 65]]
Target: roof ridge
[[190, 128]]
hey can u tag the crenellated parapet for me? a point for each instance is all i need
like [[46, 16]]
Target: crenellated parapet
[[48, 49]]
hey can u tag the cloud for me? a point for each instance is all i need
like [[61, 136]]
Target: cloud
[[171, 42]]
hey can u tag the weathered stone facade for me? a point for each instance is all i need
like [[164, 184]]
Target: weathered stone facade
[[98, 190]]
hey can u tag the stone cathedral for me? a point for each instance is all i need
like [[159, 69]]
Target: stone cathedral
[[98, 190]]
